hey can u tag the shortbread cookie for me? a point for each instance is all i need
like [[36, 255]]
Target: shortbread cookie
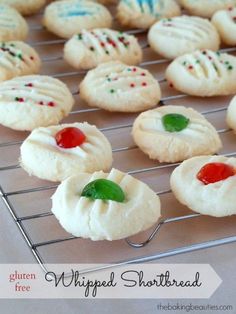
[[90, 48], [203, 73], [114, 86], [69, 17], [12, 25], [16, 59], [25, 7], [143, 13], [231, 114], [206, 184], [174, 133], [105, 206], [206, 8], [28, 102], [58, 152], [225, 22], [174, 37]]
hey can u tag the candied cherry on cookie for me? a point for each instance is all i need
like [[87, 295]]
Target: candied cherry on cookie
[[215, 172], [70, 137]]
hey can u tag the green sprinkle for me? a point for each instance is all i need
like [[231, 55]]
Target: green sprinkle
[[175, 122], [92, 48], [226, 62], [184, 63], [104, 189], [230, 67], [215, 67], [107, 52], [80, 36], [197, 61], [112, 91], [218, 53]]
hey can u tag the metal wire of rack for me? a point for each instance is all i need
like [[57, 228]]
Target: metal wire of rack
[[19, 220]]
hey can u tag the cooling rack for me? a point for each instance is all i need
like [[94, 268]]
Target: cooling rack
[[28, 199]]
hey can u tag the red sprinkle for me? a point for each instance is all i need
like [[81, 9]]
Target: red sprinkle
[[230, 8], [29, 85], [31, 57], [190, 67], [171, 85], [144, 84], [143, 74], [70, 137], [134, 69], [51, 104], [41, 103], [132, 85], [215, 172]]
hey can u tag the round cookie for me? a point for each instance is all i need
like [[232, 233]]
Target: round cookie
[[12, 25], [25, 7], [105, 206], [174, 133], [90, 48], [58, 152], [225, 22], [143, 13], [114, 86], [17, 59], [231, 114], [68, 17], [206, 184], [174, 37], [203, 73], [206, 8], [28, 102]]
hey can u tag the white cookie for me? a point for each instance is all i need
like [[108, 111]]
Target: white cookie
[[206, 8], [231, 114], [12, 25], [143, 13], [225, 22], [28, 102], [42, 155], [203, 73], [90, 48], [174, 37], [25, 7], [114, 86], [67, 18], [215, 199], [17, 59], [195, 136], [105, 219]]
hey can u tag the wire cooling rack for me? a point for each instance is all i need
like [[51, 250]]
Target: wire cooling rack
[[28, 199]]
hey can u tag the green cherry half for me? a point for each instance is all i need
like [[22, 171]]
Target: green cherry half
[[103, 189], [174, 122]]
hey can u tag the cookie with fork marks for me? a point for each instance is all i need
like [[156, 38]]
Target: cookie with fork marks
[[174, 37], [143, 13], [31, 101], [89, 48], [68, 17], [12, 25], [17, 59], [115, 86], [203, 73]]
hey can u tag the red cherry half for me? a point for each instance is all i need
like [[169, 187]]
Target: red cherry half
[[215, 172], [70, 137]]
